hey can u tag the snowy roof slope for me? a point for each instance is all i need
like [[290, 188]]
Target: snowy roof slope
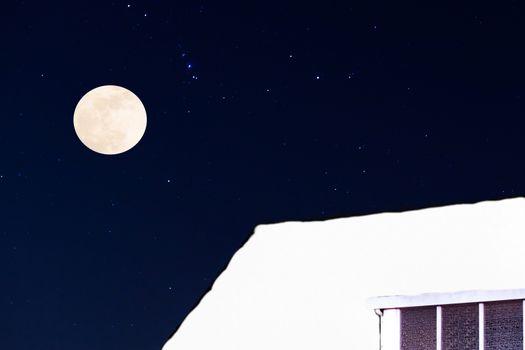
[[305, 285]]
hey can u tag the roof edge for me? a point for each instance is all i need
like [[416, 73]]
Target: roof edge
[[428, 299]]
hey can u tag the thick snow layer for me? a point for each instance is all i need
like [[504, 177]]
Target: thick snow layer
[[305, 285]]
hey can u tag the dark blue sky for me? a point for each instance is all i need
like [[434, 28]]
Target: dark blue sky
[[258, 112]]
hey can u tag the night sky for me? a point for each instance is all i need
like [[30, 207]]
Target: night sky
[[258, 112]]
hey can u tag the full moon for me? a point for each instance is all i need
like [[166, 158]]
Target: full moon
[[110, 119]]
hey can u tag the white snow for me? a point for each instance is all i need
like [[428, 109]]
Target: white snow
[[305, 285]]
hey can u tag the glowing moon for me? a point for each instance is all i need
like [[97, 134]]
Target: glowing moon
[[110, 119]]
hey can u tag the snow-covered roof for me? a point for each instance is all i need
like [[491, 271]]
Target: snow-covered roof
[[305, 285]]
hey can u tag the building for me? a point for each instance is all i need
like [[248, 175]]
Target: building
[[467, 320], [305, 285]]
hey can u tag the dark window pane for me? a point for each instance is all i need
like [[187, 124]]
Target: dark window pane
[[504, 325], [460, 329], [418, 328]]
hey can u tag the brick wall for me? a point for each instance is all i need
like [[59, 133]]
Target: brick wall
[[460, 327], [504, 325], [418, 328]]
